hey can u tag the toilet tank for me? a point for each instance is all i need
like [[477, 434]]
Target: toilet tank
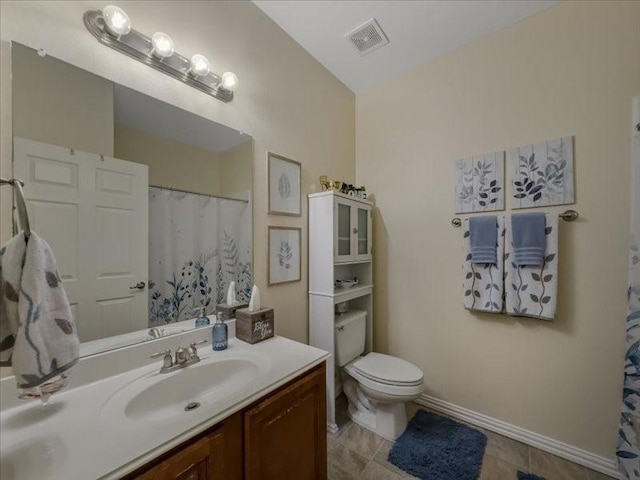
[[350, 331]]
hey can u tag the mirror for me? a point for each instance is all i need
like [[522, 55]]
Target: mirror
[[147, 207]]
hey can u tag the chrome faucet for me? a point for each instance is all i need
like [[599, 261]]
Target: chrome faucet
[[183, 357]]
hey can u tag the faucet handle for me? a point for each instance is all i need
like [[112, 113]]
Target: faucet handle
[[161, 354], [167, 361], [192, 351]]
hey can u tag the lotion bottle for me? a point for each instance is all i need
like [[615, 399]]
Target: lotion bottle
[[202, 320], [219, 334]]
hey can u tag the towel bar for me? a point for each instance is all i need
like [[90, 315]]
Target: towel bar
[[567, 216]]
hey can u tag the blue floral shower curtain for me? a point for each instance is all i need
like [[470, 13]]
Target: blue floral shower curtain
[[629, 437], [198, 244]]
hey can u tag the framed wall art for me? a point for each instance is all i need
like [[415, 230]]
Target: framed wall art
[[542, 174], [284, 179], [284, 255], [479, 183]]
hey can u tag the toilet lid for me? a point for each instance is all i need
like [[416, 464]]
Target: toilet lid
[[387, 369]]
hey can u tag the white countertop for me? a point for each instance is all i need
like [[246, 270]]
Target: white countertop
[[76, 436]]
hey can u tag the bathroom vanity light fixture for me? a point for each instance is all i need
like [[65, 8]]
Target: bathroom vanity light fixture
[[112, 27]]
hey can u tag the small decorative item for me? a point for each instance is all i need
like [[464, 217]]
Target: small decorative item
[[542, 174], [285, 179], [342, 307], [324, 183], [336, 185], [255, 323], [347, 283], [479, 183], [284, 255]]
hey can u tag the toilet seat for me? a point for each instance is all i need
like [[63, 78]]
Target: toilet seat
[[373, 374], [388, 370]]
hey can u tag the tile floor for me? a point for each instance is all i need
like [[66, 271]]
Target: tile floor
[[357, 454]]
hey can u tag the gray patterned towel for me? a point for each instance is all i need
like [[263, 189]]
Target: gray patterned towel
[[38, 337], [482, 282], [532, 291]]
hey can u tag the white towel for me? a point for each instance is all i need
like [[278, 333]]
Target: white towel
[[482, 283], [38, 337], [533, 291]]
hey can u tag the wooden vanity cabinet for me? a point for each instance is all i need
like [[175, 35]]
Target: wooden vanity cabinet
[[285, 434], [214, 455], [279, 437]]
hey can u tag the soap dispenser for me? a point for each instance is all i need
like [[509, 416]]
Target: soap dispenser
[[219, 333], [202, 320]]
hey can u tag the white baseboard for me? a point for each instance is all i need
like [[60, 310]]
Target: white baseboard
[[577, 455]]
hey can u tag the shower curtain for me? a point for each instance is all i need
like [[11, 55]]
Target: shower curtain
[[198, 244], [629, 435]]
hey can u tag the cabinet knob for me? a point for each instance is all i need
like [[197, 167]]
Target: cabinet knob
[[355, 230]]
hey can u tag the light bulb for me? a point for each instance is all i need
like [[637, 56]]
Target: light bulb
[[116, 20], [199, 65], [162, 45], [229, 81]]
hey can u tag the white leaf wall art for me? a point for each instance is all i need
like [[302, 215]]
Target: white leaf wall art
[[284, 255], [542, 174], [284, 186], [479, 183]]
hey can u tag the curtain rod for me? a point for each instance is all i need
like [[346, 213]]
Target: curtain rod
[[198, 193]]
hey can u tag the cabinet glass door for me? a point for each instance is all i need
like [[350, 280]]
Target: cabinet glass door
[[363, 233], [343, 246]]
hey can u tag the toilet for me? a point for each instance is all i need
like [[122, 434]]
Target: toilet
[[376, 385]]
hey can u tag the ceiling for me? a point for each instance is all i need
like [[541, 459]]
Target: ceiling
[[137, 110], [419, 31]]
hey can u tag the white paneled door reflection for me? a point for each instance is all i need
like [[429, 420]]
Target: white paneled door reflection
[[93, 211]]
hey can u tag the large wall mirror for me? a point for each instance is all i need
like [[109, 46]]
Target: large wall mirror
[[147, 207]]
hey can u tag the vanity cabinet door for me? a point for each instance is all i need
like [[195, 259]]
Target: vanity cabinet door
[[216, 456], [285, 435]]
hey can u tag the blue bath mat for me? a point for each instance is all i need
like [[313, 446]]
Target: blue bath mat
[[436, 448], [529, 476]]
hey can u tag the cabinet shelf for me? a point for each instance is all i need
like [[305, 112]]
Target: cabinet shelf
[[346, 294], [351, 262]]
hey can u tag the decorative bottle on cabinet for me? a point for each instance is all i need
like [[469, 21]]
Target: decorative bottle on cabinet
[[340, 248]]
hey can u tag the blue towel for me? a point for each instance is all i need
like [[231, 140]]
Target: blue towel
[[529, 242], [484, 239]]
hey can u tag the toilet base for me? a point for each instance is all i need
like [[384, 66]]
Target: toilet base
[[388, 420]]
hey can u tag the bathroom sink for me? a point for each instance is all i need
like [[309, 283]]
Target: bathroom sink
[[157, 397], [34, 458]]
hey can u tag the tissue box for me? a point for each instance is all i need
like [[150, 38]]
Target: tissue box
[[253, 327], [229, 311]]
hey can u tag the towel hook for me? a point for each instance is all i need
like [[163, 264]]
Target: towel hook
[[567, 216], [21, 205]]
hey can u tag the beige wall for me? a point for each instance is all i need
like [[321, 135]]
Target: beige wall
[[235, 170], [286, 100], [56, 103], [572, 69], [171, 164]]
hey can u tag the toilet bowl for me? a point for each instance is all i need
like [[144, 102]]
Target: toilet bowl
[[376, 385]]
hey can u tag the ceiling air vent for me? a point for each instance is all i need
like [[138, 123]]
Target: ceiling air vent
[[367, 37]]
